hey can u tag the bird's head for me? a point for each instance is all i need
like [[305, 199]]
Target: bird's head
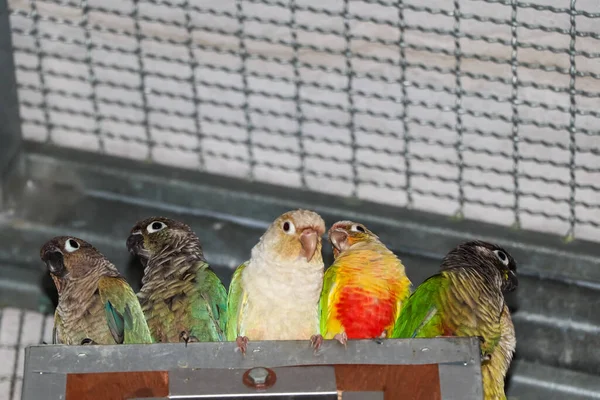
[[488, 258], [161, 236], [345, 234], [70, 258], [295, 235]]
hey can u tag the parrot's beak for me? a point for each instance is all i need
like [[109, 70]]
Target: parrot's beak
[[339, 239], [54, 259], [135, 243], [309, 239]]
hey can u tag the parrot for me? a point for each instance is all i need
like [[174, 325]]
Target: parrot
[[466, 298], [364, 289], [96, 305], [275, 294], [181, 296]]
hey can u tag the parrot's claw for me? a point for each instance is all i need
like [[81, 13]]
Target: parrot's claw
[[484, 357], [379, 339], [242, 344], [185, 337], [87, 342], [316, 341], [342, 338]]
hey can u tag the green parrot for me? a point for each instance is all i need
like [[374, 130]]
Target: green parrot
[[466, 298], [96, 305], [181, 296]]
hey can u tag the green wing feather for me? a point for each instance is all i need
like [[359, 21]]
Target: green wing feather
[[420, 315], [236, 300], [116, 325], [124, 315], [328, 284], [208, 307]]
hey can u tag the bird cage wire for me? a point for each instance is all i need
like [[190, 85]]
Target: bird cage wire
[[19, 329], [479, 109]]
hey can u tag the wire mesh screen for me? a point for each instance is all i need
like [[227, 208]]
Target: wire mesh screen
[[19, 329], [485, 109]]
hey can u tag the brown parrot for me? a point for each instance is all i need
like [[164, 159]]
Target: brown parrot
[[96, 305]]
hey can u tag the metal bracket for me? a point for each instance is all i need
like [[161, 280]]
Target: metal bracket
[[304, 383]]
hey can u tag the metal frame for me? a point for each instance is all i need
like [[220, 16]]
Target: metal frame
[[458, 359], [10, 121]]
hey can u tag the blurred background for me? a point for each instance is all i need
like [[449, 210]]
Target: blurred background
[[430, 121]]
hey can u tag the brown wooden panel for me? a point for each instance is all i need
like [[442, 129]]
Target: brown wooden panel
[[409, 382], [117, 385]]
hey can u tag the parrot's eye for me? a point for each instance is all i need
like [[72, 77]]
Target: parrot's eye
[[358, 228], [501, 256], [71, 245], [156, 226], [288, 227]]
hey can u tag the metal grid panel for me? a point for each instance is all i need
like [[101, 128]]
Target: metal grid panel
[[19, 329], [486, 109]]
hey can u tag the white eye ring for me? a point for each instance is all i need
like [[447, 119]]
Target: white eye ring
[[501, 256], [155, 226], [71, 245], [288, 227], [358, 228]]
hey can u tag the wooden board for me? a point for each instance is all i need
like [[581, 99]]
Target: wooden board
[[117, 385], [415, 382]]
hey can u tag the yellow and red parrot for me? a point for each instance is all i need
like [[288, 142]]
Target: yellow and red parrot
[[364, 289]]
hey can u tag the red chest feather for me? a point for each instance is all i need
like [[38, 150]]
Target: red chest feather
[[364, 315]]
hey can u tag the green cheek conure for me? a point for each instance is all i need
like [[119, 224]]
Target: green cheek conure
[[466, 298]]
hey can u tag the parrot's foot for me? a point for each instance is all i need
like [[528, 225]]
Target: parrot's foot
[[342, 338], [185, 337], [484, 357], [242, 344], [316, 341], [379, 339], [87, 342]]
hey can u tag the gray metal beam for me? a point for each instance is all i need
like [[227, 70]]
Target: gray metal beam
[[170, 356], [10, 122]]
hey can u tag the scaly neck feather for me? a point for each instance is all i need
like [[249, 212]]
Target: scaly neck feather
[[78, 293]]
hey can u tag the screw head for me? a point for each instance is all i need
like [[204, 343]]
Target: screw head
[[259, 377]]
